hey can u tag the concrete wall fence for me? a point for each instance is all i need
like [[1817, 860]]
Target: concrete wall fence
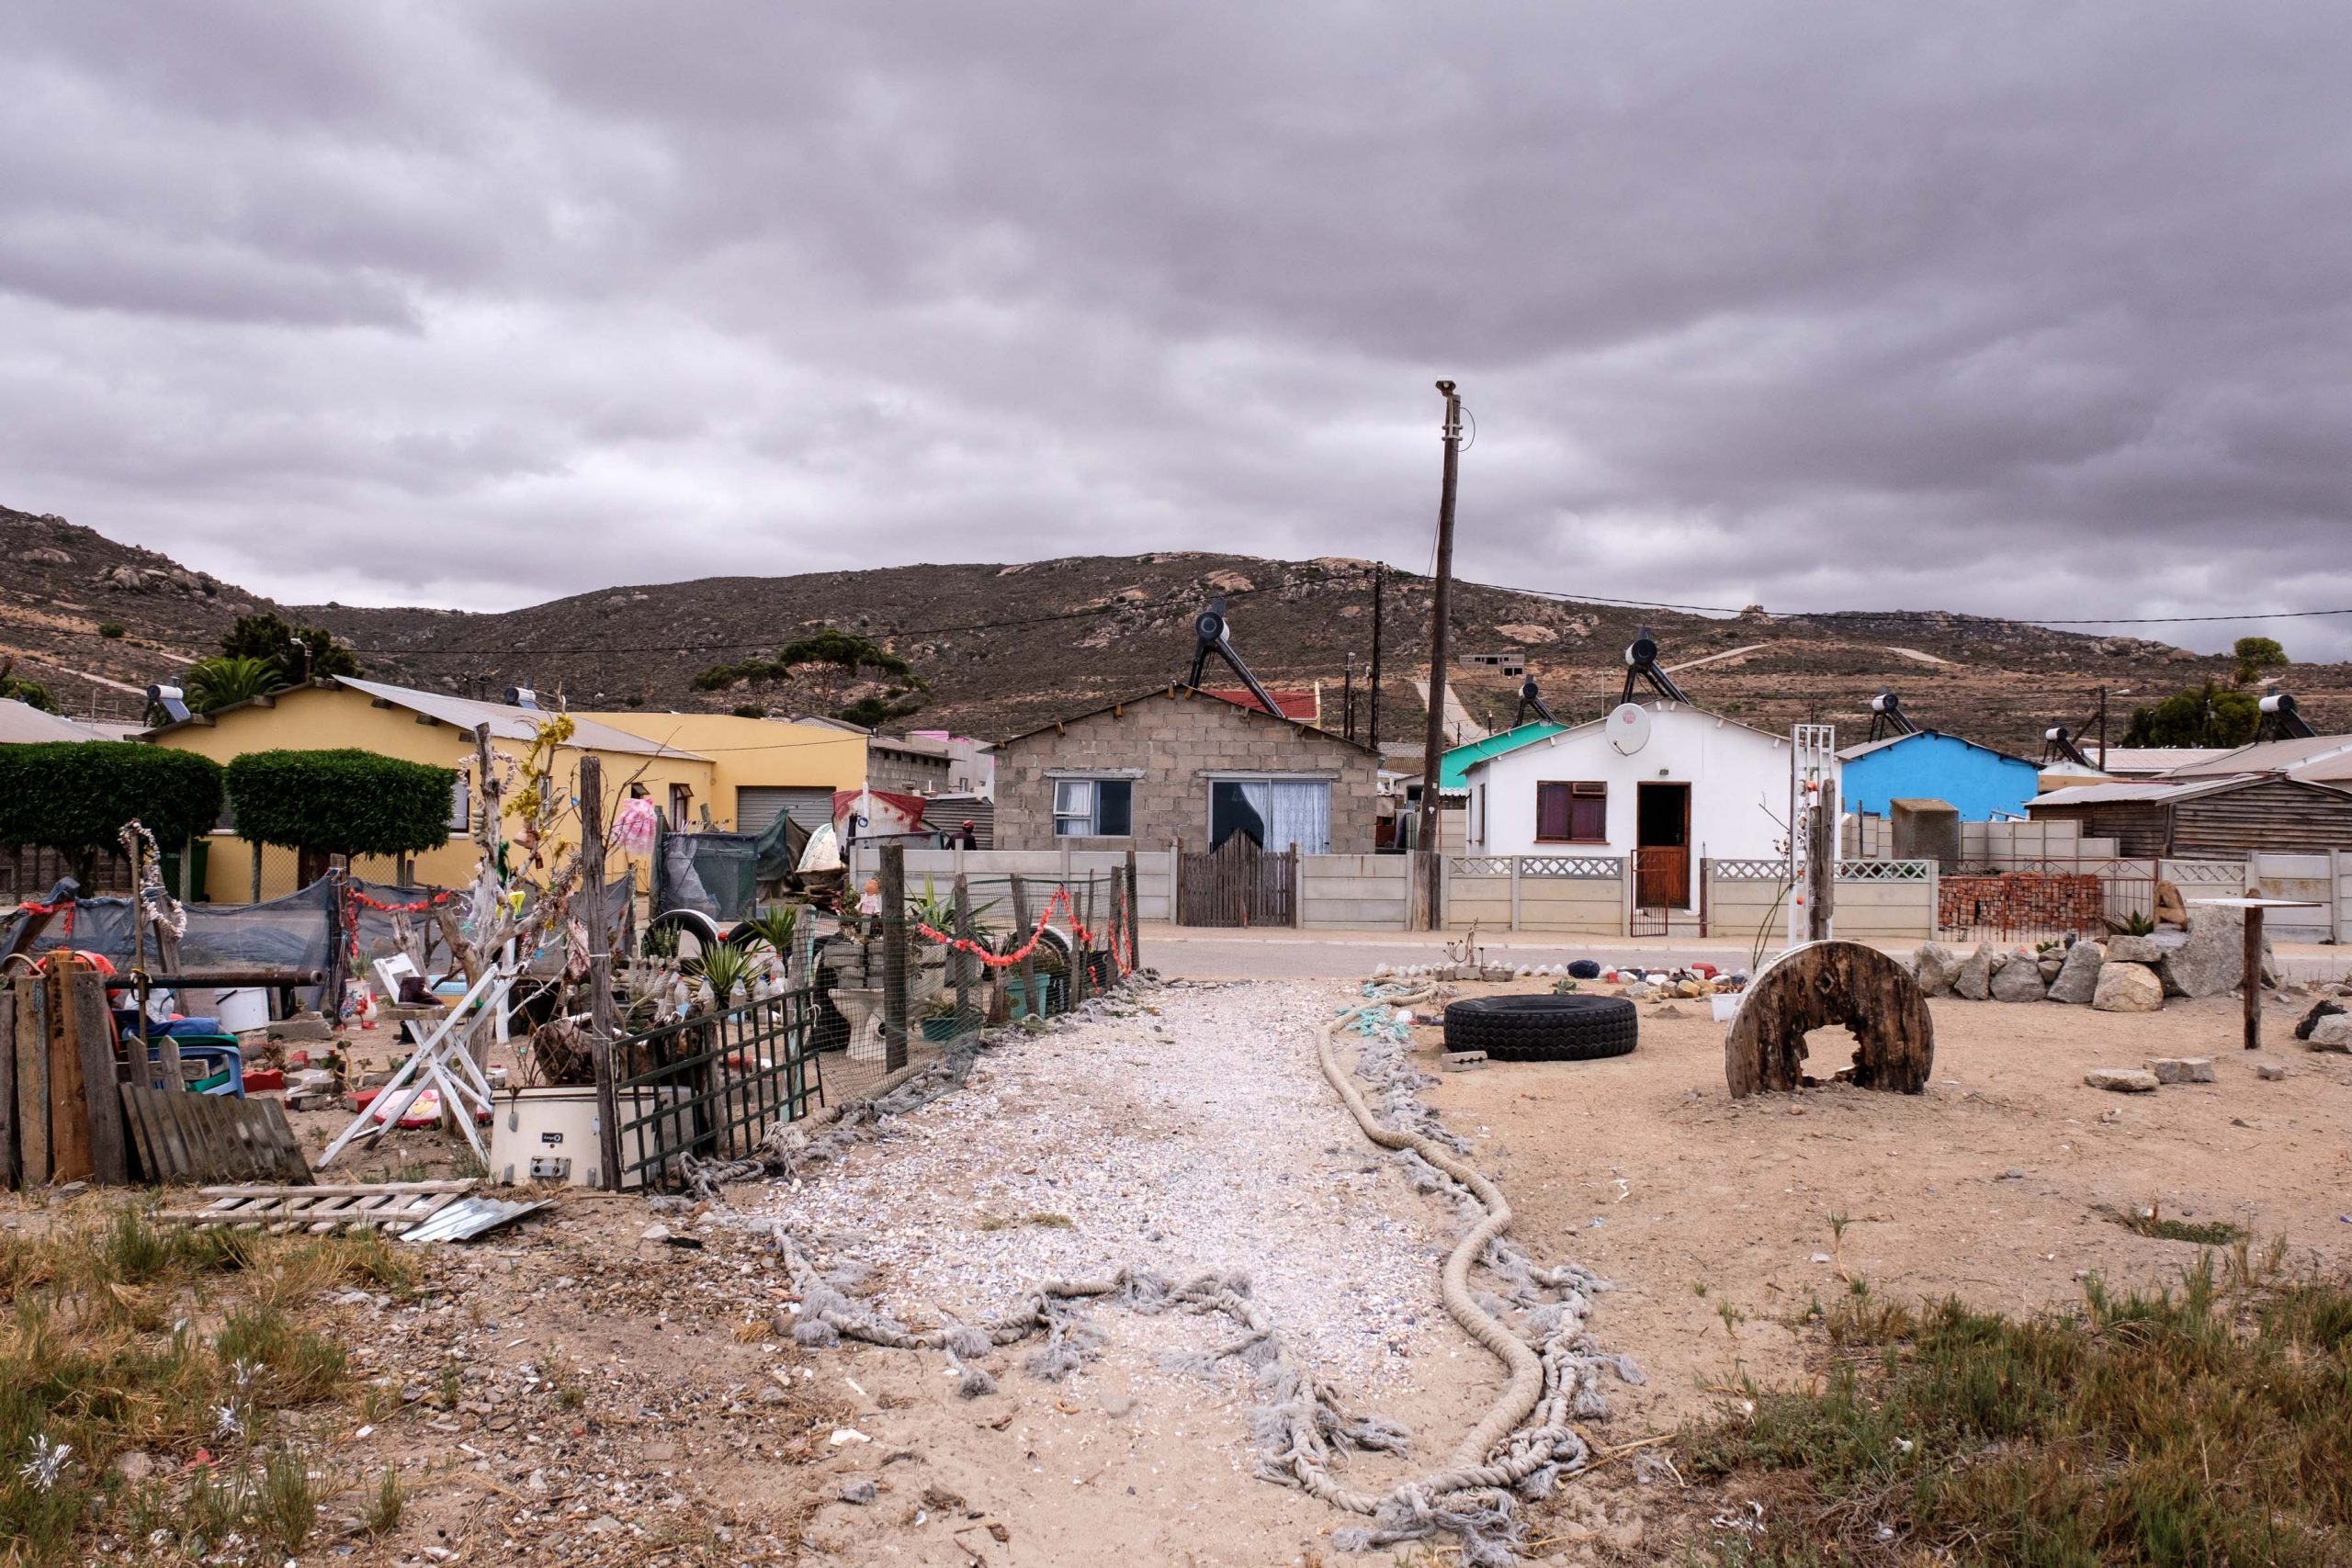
[[1590, 896]]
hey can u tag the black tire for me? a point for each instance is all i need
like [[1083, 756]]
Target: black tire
[[1542, 1028]]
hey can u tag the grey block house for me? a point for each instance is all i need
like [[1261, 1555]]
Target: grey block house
[[1180, 764]]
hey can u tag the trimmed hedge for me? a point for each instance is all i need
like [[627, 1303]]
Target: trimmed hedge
[[341, 801], [74, 796]]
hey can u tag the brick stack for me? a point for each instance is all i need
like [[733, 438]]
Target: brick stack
[[2022, 900]]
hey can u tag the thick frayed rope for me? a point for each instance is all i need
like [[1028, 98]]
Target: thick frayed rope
[[1300, 1423]]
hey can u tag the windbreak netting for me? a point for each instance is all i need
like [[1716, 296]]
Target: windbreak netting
[[716, 874]]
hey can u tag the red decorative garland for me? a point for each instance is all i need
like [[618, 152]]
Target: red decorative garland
[[68, 905], [1005, 960]]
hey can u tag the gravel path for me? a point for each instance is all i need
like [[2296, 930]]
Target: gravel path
[[1195, 1132]]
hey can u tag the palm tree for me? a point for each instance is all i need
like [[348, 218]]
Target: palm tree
[[216, 683]]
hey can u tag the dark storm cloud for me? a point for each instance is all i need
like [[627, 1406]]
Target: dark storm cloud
[[2025, 309]]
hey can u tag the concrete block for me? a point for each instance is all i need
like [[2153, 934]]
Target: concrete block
[[2122, 1080], [2182, 1069]]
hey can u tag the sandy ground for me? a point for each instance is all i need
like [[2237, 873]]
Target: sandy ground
[[1987, 1186], [626, 1400]]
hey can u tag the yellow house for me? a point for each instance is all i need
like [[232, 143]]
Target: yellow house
[[761, 768], [416, 726]]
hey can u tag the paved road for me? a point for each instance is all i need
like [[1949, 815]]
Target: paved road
[[1194, 953]]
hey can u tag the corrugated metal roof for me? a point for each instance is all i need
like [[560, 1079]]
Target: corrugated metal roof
[[2268, 756], [510, 723], [1453, 767], [23, 723], [2142, 761], [1867, 747], [470, 1217], [1304, 706], [2137, 789]]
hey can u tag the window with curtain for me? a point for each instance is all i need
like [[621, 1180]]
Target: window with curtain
[[1274, 814], [1093, 808], [1571, 813]]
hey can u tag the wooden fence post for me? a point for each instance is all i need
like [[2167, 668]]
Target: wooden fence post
[[894, 957], [1080, 914], [1135, 910], [9, 990], [32, 1082], [1021, 933], [964, 962], [93, 1027], [1821, 863], [602, 1025]]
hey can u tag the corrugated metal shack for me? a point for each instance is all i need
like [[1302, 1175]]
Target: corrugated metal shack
[[2215, 817]]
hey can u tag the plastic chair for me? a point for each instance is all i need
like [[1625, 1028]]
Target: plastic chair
[[226, 1062]]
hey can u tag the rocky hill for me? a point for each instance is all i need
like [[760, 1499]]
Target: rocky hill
[[993, 649]]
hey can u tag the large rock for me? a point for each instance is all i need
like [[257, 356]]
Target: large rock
[[2135, 950], [2320, 1010], [2078, 980], [2182, 1069], [1973, 978], [2211, 961], [2122, 1080], [2333, 1032], [1935, 965], [2018, 980], [2127, 987]]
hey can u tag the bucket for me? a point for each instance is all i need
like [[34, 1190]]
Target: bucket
[[1725, 1004], [241, 1011]]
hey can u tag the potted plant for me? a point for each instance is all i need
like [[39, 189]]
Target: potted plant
[[939, 1024]]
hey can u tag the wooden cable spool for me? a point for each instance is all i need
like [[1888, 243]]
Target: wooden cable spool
[[1822, 983]]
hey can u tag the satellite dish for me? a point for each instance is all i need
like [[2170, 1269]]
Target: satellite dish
[[1629, 728]]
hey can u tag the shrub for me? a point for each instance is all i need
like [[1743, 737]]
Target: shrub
[[111, 629], [32, 693], [215, 683], [74, 796], [267, 637], [830, 645], [341, 801], [2257, 655], [2197, 716]]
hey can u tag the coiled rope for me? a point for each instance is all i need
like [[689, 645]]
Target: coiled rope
[[1521, 1447]]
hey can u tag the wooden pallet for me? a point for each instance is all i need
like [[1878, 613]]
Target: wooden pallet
[[388, 1206], [183, 1137]]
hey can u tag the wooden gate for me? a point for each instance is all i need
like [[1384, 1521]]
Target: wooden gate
[[1237, 884], [1662, 876]]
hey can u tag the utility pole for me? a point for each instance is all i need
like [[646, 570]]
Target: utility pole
[[2102, 729], [1379, 581], [1348, 698], [1433, 739]]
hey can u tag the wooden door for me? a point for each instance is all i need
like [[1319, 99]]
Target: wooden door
[[1662, 876]]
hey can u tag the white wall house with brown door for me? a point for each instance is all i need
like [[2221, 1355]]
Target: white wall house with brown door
[[1663, 792]]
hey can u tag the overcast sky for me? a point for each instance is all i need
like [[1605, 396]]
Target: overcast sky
[[2035, 309]]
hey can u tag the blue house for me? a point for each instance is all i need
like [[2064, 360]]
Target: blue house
[[1981, 783]]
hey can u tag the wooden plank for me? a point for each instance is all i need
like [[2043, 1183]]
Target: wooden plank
[[186, 1158], [95, 1034], [292, 1164], [69, 1118], [140, 1140], [8, 1082], [32, 1084]]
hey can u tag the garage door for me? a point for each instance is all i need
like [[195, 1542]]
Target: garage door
[[757, 807]]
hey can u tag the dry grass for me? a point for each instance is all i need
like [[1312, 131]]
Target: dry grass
[[2207, 1424], [122, 1333]]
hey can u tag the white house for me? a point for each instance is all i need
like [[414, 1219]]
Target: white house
[[1685, 786]]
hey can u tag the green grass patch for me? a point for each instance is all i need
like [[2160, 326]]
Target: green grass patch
[[2207, 1424], [120, 1333], [2151, 1222]]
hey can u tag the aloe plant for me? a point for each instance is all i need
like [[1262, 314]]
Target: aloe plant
[[937, 910], [725, 969], [776, 929]]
